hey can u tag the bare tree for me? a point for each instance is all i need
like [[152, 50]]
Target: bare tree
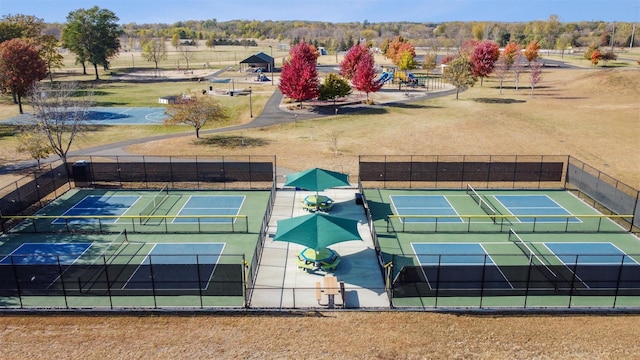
[[334, 136], [536, 74], [187, 54], [60, 110], [518, 67]]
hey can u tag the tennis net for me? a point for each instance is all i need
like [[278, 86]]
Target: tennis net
[[156, 201], [482, 202], [534, 259], [97, 268]]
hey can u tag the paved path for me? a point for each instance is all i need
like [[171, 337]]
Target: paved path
[[272, 114]]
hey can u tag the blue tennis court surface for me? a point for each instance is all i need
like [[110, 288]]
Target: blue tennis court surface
[[424, 205], [112, 116], [46, 254], [177, 266], [523, 205], [598, 264], [211, 205], [459, 266], [96, 205]]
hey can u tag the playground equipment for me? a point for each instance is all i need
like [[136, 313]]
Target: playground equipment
[[261, 78], [386, 76]]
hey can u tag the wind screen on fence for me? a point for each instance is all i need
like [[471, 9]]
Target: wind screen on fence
[[451, 171], [122, 268], [185, 172]]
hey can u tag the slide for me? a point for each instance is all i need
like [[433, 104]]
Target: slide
[[385, 77]]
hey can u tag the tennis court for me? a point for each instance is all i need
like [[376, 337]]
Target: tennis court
[[96, 205], [502, 248], [133, 248], [210, 205]]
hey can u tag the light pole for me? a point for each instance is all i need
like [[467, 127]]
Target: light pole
[[250, 104], [272, 63]]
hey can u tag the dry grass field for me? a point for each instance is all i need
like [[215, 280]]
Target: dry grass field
[[593, 115]]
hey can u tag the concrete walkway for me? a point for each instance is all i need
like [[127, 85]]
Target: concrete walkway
[[280, 284]]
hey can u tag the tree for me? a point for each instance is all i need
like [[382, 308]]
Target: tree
[[49, 52], [536, 74], [501, 69], [93, 35], [187, 54], [299, 75], [364, 78], [351, 59], [334, 86], [34, 142], [60, 110], [484, 56], [196, 111], [608, 56], [20, 67], [20, 26], [517, 67], [595, 57], [509, 53], [590, 50], [401, 53], [154, 51], [532, 51], [459, 72], [429, 62]]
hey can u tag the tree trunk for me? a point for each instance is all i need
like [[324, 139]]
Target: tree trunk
[[457, 92], [15, 98], [84, 68], [20, 104], [197, 133], [95, 66]]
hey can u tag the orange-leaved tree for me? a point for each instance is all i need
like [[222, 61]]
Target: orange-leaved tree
[[532, 50]]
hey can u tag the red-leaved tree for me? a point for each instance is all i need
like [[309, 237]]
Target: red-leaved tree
[[484, 57], [351, 59], [364, 77], [299, 76], [20, 67]]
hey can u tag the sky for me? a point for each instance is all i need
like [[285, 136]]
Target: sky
[[335, 11]]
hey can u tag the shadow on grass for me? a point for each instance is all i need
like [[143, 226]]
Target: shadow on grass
[[231, 141], [7, 130], [497, 101], [402, 105]]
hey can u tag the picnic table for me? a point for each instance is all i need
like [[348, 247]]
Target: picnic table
[[317, 203]]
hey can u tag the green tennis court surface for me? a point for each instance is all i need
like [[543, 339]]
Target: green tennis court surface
[[141, 248], [545, 248]]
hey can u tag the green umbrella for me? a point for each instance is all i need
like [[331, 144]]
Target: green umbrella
[[317, 179], [317, 230]]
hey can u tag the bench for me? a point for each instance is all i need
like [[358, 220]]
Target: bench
[[318, 292]]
